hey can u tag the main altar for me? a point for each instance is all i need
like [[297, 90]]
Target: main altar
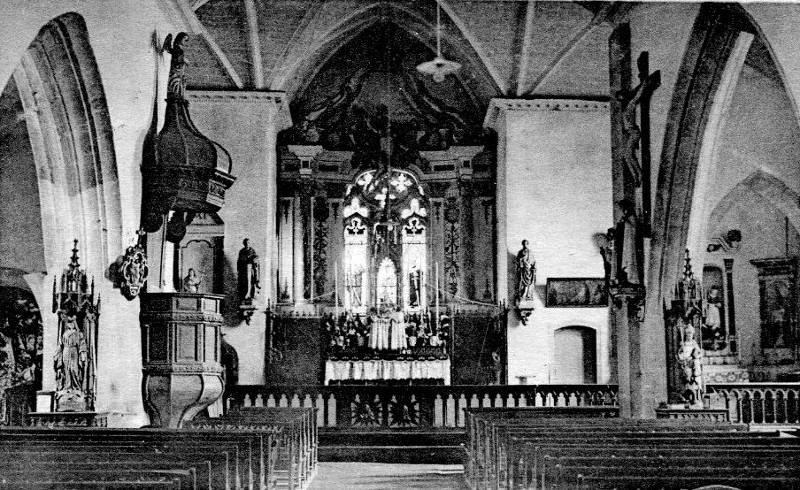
[[384, 191]]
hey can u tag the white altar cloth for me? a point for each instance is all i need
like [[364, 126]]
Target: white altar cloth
[[382, 369]]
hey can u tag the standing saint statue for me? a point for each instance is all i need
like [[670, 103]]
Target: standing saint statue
[[526, 273], [248, 271], [629, 245], [690, 357], [71, 358]]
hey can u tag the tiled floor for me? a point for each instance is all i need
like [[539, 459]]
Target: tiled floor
[[384, 476]]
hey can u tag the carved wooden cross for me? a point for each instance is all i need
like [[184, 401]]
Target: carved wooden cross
[[637, 136]]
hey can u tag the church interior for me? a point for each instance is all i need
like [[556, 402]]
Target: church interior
[[460, 232]]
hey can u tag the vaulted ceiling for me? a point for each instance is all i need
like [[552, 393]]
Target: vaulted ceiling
[[507, 48]]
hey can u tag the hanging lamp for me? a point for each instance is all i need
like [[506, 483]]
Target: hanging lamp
[[439, 67]]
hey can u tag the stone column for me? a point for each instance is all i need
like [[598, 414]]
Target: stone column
[[247, 124]]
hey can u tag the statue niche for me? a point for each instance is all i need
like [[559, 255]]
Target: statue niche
[[76, 355]]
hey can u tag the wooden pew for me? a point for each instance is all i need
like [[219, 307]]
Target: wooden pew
[[216, 459], [294, 459], [517, 448]]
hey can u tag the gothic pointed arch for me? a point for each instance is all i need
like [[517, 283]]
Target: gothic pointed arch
[[417, 20], [711, 45], [71, 137]]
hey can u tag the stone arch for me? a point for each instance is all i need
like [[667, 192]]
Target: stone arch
[[769, 188], [315, 50], [71, 137], [711, 44], [70, 133]]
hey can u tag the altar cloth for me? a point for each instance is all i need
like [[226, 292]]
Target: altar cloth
[[383, 369]]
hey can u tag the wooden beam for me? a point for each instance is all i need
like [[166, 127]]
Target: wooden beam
[[255, 43], [476, 45], [196, 4], [524, 61], [198, 28], [566, 49]]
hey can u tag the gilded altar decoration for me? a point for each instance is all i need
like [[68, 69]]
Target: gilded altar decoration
[[247, 269], [75, 361], [134, 271]]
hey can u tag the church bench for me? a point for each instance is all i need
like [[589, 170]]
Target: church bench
[[216, 461], [300, 435], [187, 476], [496, 432], [250, 452], [211, 470], [242, 451], [559, 472], [74, 478], [532, 461], [680, 482], [488, 452], [526, 452]]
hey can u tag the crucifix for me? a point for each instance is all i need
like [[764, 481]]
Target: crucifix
[[637, 136]]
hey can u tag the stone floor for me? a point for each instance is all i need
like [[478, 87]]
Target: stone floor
[[387, 476]]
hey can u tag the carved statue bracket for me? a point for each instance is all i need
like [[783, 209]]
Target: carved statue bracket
[[524, 310], [132, 271], [631, 295]]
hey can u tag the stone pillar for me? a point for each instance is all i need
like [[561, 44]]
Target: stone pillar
[[246, 124], [181, 349], [626, 321], [554, 190]]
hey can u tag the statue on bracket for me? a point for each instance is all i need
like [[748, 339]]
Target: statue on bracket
[[526, 282], [248, 271], [526, 273], [76, 354]]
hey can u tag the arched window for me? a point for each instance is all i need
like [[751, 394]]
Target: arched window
[[385, 241]]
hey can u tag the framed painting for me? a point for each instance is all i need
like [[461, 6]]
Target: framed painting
[[576, 292]]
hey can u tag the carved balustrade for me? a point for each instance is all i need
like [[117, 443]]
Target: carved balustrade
[[407, 407], [758, 403]]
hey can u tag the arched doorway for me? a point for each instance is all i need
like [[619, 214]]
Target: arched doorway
[[574, 356]]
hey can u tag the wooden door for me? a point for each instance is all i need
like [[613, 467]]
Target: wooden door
[[574, 356]]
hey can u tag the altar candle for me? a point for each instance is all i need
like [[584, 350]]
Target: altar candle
[[336, 289], [436, 292]]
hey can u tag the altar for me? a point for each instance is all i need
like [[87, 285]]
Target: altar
[[382, 369]]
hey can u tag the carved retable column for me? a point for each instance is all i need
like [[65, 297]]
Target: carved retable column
[[181, 348]]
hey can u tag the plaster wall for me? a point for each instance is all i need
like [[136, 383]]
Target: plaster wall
[[245, 124], [557, 195]]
